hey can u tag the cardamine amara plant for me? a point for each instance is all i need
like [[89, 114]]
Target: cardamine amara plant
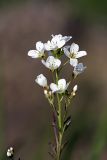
[[57, 93]]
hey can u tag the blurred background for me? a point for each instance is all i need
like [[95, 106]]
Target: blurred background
[[25, 118]]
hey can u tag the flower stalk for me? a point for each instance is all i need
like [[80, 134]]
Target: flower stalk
[[57, 93]]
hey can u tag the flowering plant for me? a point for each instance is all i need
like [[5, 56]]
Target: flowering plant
[[57, 93]]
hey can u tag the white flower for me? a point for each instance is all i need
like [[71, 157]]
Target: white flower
[[74, 53], [60, 88], [41, 80], [52, 63], [39, 52], [10, 152], [78, 69], [56, 42]]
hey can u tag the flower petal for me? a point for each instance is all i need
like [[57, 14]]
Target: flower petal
[[50, 46], [57, 63], [67, 38], [73, 62], [50, 59], [33, 54], [66, 52], [52, 63], [62, 85], [81, 54], [47, 46], [41, 80], [61, 43], [43, 62], [40, 46], [79, 69], [53, 87], [56, 38], [74, 48]]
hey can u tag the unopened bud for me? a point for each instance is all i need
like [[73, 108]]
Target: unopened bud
[[10, 152], [45, 92], [74, 90], [50, 93]]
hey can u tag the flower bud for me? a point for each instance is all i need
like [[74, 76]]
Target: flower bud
[[41, 80], [45, 92], [10, 152], [74, 90], [50, 93]]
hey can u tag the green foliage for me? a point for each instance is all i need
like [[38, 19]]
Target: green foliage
[[97, 139], [90, 10], [100, 138]]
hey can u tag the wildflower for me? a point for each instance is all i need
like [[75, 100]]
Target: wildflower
[[56, 48], [56, 42], [61, 87], [74, 53], [52, 63], [10, 152], [78, 69], [39, 52], [41, 80]]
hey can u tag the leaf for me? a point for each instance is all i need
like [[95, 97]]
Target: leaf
[[67, 122]]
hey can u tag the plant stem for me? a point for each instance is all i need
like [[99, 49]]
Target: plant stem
[[54, 124], [60, 126], [64, 65]]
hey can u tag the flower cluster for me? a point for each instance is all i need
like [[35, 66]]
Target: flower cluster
[[10, 152], [57, 93], [50, 54]]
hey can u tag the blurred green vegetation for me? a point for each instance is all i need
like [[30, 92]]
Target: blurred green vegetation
[[6, 3], [92, 10], [92, 133], [100, 137]]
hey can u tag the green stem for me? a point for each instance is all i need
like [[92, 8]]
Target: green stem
[[60, 125]]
